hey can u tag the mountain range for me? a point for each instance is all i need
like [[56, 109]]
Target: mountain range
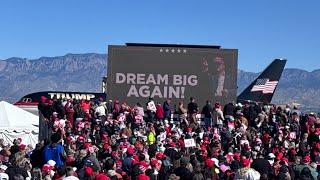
[[84, 72]]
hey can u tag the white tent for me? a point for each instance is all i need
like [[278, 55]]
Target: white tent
[[18, 123]]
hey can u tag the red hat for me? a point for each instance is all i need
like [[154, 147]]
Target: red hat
[[130, 150], [237, 156], [143, 166], [102, 176], [87, 145], [279, 156], [245, 162], [306, 159], [88, 171], [43, 99], [80, 139], [266, 137], [160, 155], [143, 177], [209, 163], [47, 168], [119, 162], [154, 162], [22, 147]]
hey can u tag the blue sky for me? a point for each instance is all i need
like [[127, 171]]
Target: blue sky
[[261, 30]]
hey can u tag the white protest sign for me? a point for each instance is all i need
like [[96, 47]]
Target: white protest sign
[[189, 143], [152, 106], [292, 135], [162, 136]]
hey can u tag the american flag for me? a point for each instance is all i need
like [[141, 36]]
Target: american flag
[[265, 86]]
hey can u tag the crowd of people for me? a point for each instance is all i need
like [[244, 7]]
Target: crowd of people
[[101, 140]]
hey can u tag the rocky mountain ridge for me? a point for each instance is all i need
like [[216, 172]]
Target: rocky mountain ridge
[[84, 72]]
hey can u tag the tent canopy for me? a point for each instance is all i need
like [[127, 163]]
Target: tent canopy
[[13, 118], [18, 123]]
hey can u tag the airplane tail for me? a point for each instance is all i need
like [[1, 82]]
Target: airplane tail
[[264, 86]]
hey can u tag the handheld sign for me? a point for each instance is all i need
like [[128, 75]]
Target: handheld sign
[[189, 143], [162, 136]]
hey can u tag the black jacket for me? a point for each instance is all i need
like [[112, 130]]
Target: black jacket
[[207, 111], [183, 173], [262, 166], [192, 108]]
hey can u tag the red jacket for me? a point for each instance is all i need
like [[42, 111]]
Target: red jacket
[[159, 112]]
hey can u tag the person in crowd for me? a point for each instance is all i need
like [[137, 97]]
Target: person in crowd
[[192, 107], [167, 109], [262, 165], [159, 112], [55, 151], [182, 171], [247, 173], [218, 118], [151, 110], [207, 112], [182, 111]]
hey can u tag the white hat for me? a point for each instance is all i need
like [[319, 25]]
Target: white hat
[[79, 119], [216, 161], [3, 167], [71, 178], [4, 176], [271, 156], [51, 163]]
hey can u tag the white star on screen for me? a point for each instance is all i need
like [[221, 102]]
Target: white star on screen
[[167, 50]]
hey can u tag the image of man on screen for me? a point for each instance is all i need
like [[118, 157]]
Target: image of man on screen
[[216, 74]]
